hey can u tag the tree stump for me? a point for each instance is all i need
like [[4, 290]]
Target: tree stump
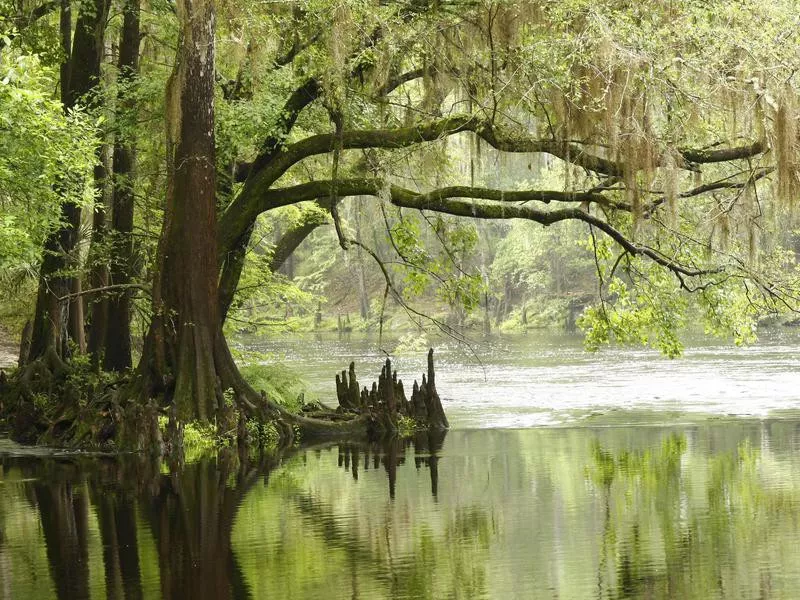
[[386, 402]]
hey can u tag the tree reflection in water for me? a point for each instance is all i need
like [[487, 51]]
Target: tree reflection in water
[[189, 511], [691, 512], [665, 536], [390, 452]]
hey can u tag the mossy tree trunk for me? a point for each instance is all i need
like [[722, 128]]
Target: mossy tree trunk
[[178, 360]]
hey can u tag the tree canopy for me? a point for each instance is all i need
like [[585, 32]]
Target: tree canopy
[[658, 140]]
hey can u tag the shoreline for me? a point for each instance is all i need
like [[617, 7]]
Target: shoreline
[[8, 352]]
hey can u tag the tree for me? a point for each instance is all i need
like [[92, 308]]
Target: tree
[[117, 343], [672, 132], [628, 136], [183, 335], [56, 322]]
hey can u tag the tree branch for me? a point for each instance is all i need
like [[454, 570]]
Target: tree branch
[[460, 201], [290, 240], [25, 20], [395, 82], [109, 288], [722, 184], [701, 156], [265, 172], [232, 224]]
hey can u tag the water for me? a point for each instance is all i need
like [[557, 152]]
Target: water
[[611, 503], [548, 379]]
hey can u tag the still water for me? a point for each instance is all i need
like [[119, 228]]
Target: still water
[[706, 507], [548, 379]]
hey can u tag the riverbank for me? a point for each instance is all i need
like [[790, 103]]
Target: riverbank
[[8, 351]]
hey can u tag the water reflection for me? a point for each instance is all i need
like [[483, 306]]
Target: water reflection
[[678, 529], [390, 452], [695, 512]]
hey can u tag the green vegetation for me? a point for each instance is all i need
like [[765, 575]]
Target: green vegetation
[[279, 381], [445, 166]]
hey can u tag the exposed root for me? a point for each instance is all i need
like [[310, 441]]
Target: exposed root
[[361, 413], [48, 401]]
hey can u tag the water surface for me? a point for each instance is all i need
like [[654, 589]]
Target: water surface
[[704, 511], [640, 478], [549, 379]]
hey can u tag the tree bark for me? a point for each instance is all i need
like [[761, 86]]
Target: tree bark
[[179, 353], [57, 320], [118, 328]]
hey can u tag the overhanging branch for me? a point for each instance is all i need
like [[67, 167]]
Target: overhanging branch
[[461, 201], [272, 165], [232, 224]]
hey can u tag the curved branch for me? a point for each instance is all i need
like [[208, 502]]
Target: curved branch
[[300, 98], [233, 224], [290, 240], [296, 48], [496, 210], [272, 165], [395, 82], [460, 201]]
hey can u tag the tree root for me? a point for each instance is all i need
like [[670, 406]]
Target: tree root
[[48, 401], [361, 413]]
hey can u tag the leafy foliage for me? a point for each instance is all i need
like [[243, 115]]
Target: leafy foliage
[[45, 159]]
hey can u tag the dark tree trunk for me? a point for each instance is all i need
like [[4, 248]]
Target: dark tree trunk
[[118, 327], [64, 516], [57, 319], [98, 276], [232, 272], [186, 357], [179, 353]]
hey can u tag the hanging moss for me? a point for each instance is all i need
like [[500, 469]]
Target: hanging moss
[[670, 186], [786, 149]]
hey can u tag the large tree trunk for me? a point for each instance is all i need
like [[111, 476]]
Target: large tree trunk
[[118, 328], [57, 319], [195, 554], [64, 514], [179, 353]]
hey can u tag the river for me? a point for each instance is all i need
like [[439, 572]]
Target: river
[[545, 379], [565, 475]]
